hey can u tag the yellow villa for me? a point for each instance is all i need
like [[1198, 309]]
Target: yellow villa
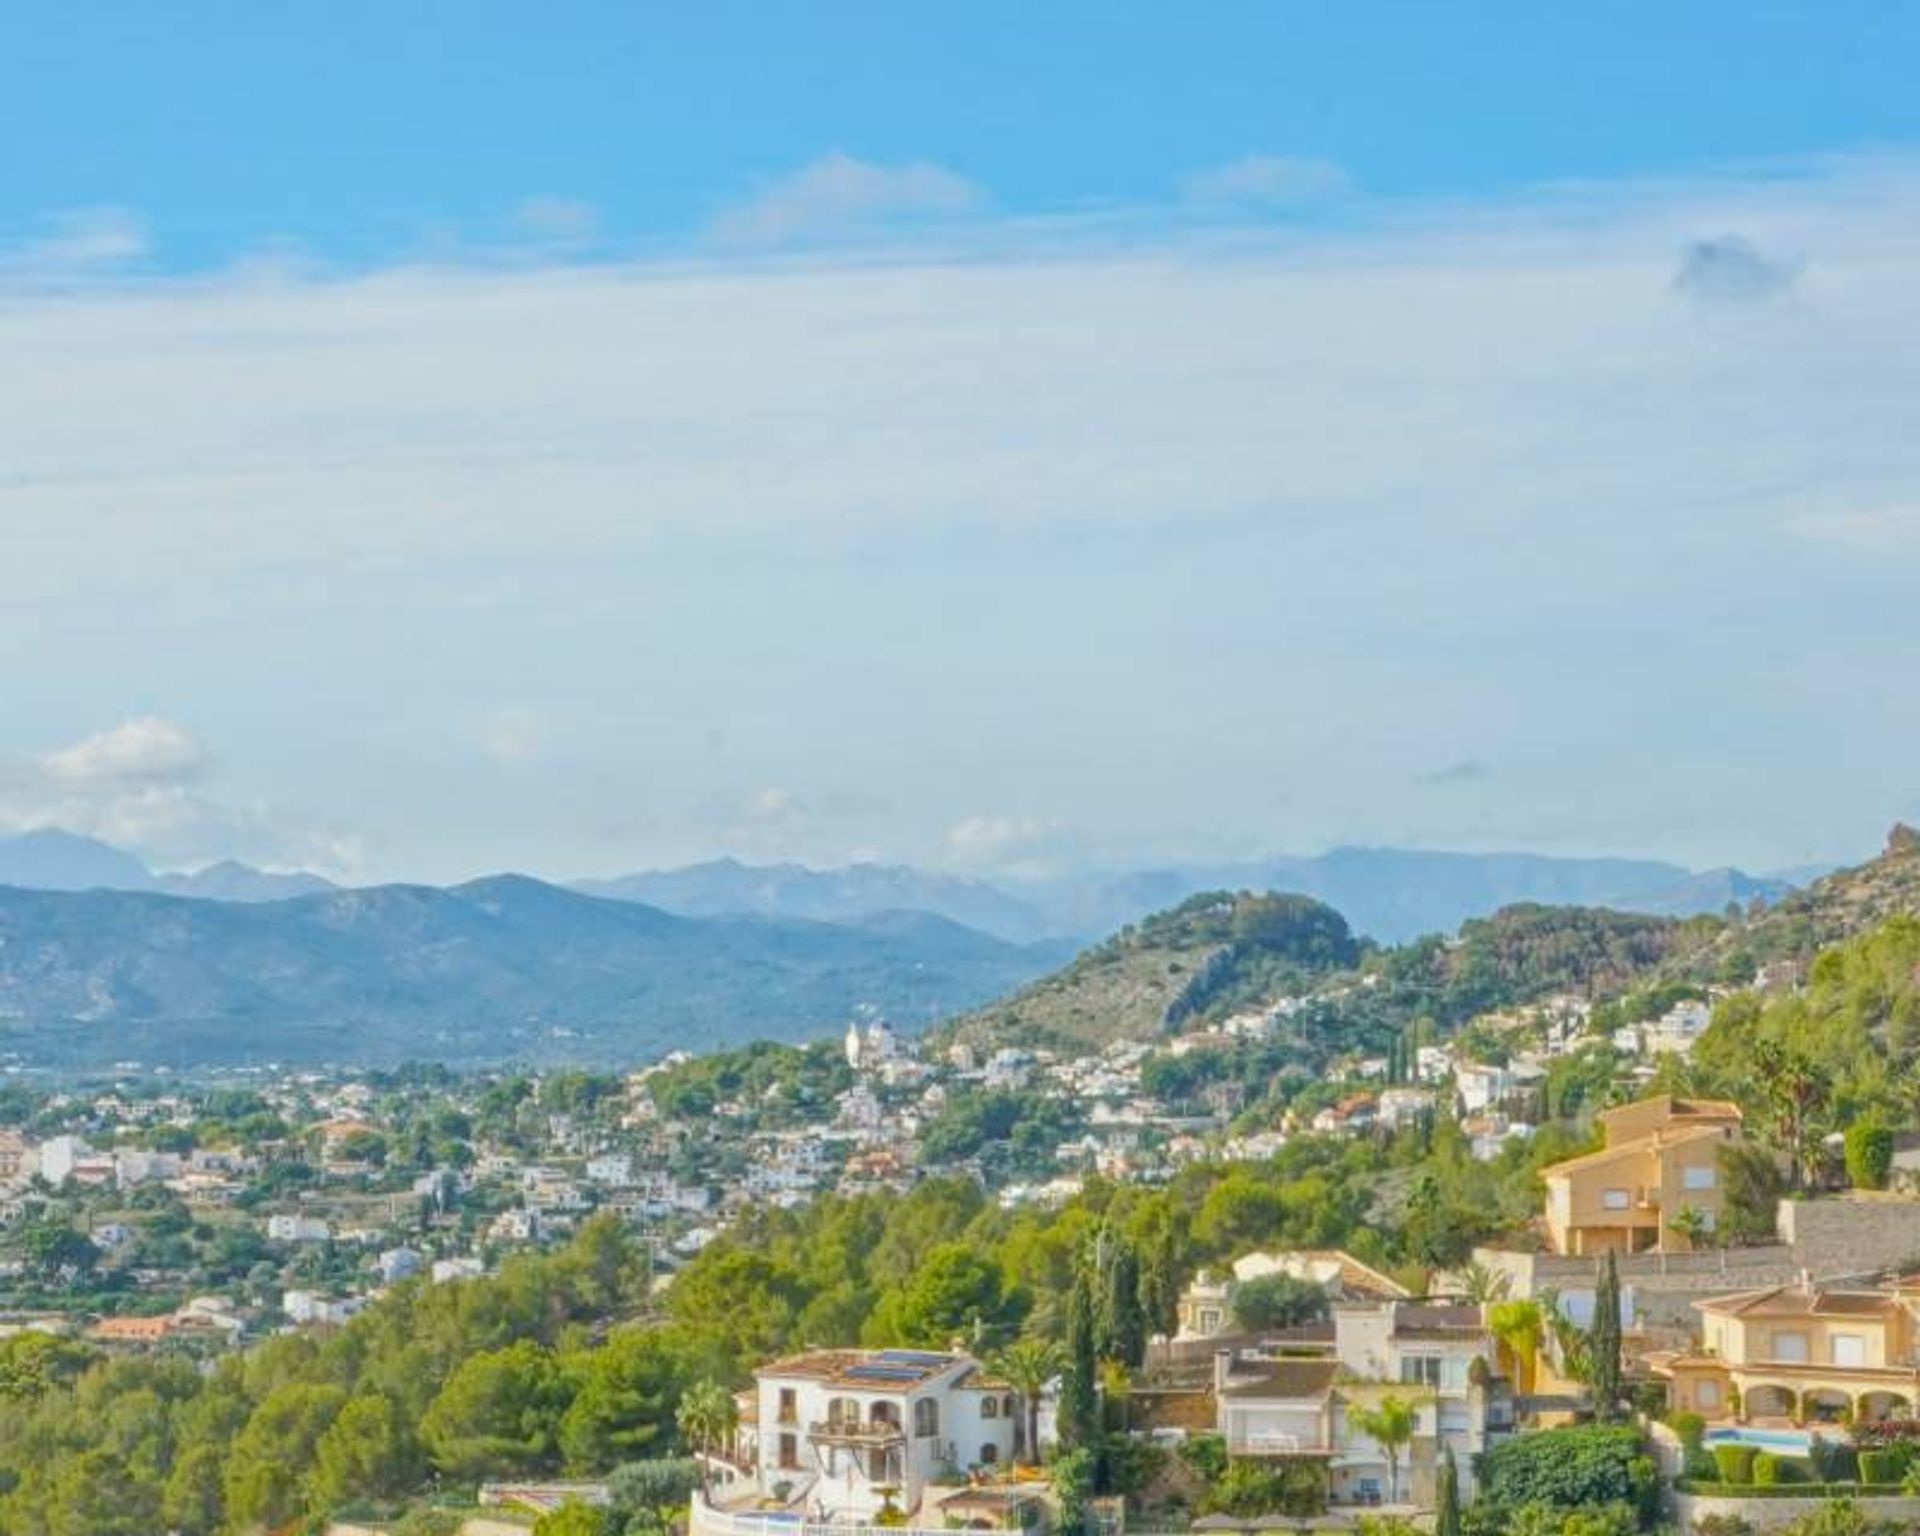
[[1661, 1160], [1804, 1352]]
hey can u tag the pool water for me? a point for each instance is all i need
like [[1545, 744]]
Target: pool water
[[1787, 1442]]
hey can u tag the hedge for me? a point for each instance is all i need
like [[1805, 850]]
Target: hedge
[[1883, 1467], [1712, 1490], [1735, 1463]]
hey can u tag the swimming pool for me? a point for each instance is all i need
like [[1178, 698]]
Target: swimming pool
[[1786, 1442]]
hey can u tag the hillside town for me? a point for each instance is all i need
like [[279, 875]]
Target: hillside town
[[1756, 1320]]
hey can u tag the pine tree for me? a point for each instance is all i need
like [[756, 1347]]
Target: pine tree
[[1603, 1343]]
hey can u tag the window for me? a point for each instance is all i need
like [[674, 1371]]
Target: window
[[1420, 1370], [843, 1411], [789, 1405], [1706, 1394], [989, 1407], [1006, 1405], [1615, 1199], [989, 1454], [1849, 1349], [789, 1453], [1697, 1178], [1791, 1347], [926, 1419]]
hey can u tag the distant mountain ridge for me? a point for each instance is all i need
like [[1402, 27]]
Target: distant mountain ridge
[[502, 968], [53, 860], [1388, 894], [727, 887]]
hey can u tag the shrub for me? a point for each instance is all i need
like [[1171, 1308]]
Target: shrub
[[1869, 1154], [1573, 1468], [1769, 1470], [1735, 1463], [1833, 1461], [1723, 1525], [1698, 1466], [1690, 1427], [1882, 1467]]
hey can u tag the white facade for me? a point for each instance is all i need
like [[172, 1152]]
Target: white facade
[[829, 1429], [290, 1228]]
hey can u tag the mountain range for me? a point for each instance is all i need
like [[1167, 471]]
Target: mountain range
[[497, 969], [1389, 894]]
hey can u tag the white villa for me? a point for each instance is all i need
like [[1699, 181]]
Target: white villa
[[825, 1432]]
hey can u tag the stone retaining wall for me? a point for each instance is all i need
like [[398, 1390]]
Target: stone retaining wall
[[1776, 1514]]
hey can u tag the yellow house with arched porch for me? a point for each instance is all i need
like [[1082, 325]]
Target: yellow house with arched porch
[[1800, 1353]]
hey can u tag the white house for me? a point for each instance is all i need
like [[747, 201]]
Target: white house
[[1313, 1406], [827, 1430], [288, 1227]]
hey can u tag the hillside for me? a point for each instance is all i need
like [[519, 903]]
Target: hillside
[[1211, 953], [1833, 908], [505, 967]]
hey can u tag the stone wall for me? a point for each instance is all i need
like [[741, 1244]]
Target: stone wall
[[1851, 1234], [1776, 1514]]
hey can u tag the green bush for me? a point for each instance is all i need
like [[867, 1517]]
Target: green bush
[[1573, 1468], [1698, 1465], [1880, 1468], [1869, 1154], [1735, 1463], [1690, 1427], [1769, 1470]]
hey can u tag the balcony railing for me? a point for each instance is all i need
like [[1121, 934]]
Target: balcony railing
[[855, 1432], [1276, 1444]]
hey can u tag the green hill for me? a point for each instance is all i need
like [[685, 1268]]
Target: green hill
[[1213, 953]]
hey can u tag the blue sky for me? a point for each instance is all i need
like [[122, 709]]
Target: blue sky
[[365, 130], [1035, 437]]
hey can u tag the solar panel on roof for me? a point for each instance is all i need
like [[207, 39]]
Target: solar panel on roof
[[913, 1356], [882, 1373]]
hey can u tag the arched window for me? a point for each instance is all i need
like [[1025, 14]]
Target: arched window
[[989, 1454], [884, 1413], [843, 1411], [989, 1407], [926, 1419]]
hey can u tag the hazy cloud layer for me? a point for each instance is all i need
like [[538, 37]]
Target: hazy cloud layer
[[1275, 181], [838, 194], [1179, 540]]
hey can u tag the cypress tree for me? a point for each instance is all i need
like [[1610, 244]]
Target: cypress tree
[[1079, 1404], [1603, 1343], [1446, 1516]]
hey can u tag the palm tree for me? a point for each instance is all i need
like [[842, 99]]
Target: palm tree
[[1389, 1424], [1517, 1325], [1027, 1365], [706, 1419], [1481, 1283]]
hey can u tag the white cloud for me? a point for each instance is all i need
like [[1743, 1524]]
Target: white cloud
[[144, 752], [514, 734], [560, 221], [1875, 530], [838, 194], [772, 804], [75, 244], [1014, 845], [1274, 181], [135, 785]]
